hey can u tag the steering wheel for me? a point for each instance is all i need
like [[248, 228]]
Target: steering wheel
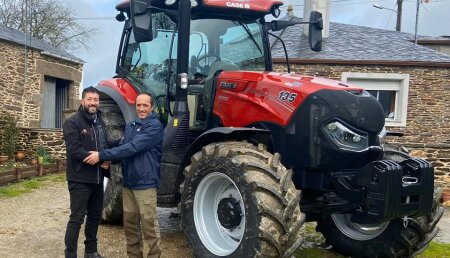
[[204, 63]]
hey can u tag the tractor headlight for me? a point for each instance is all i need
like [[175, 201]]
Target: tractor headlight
[[346, 138]]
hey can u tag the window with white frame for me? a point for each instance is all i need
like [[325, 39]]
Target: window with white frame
[[391, 90]]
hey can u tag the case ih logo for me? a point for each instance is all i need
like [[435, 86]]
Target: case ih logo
[[228, 85], [237, 5], [293, 84]]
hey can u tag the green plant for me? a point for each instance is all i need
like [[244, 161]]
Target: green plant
[[10, 134], [41, 151]]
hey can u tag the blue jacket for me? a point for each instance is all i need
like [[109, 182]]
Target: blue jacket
[[140, 152]]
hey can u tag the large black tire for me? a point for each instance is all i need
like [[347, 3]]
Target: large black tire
[[112, 201], [238, 200], [390, 239]]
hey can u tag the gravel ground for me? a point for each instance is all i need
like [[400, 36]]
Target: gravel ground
[[33, 225]]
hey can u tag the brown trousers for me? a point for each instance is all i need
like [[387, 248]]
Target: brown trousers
[[139, 212]]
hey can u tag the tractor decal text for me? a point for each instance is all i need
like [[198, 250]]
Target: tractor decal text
[[285, 104], [228, 85], [237, 5], [293, 84], [287, 96], [224, 98]]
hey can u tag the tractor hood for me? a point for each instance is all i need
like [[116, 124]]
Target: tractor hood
[[273, 95]]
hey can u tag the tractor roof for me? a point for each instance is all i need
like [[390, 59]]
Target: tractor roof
[[226, 7]]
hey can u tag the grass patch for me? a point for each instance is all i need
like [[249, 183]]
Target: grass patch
[[316, 253], [436, 249], [26, 186], [312, 238]]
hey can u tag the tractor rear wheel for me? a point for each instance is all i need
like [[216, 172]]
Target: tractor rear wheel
[[112, 187], [238, 200], [387, 239]]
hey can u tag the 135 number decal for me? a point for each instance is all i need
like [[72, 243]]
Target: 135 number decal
[[287, 96]]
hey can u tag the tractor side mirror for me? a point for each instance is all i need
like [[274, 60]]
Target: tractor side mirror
[[315, 31], [141, 20]]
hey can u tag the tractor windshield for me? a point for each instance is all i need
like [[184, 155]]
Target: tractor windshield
[[238, 43]]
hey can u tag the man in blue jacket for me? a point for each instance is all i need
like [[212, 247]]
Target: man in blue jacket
[[140, 153]]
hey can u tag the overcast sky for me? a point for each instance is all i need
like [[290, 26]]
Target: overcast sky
[[434, 20]]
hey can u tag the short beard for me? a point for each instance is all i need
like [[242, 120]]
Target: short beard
[[86, 109]]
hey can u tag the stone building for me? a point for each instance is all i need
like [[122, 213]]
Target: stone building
[[38, 85], [412, 82]]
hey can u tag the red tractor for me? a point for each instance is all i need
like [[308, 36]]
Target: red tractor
[[242, 141]]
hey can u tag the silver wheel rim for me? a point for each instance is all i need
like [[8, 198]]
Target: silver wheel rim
[[215, 237], [359, 232]]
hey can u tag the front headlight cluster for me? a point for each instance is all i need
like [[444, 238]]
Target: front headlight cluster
[[346, 138]]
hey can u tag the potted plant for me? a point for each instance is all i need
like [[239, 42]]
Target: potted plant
[[41, 153], [10, 134], [20, 155], [3, 158], [33, 157]]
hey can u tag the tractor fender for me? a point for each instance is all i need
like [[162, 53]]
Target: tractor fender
[[219, 134], [128, 110]]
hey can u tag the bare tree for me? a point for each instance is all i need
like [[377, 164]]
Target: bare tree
[[49, 20]]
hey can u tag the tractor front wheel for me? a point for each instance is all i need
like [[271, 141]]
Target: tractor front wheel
[[395, 238], [237, 200]]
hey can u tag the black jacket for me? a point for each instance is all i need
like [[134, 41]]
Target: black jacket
[[81, 136]]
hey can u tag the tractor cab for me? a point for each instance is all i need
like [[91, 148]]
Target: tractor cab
[[214, 45]]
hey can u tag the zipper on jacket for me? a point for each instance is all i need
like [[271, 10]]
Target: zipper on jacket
[[96, 148]]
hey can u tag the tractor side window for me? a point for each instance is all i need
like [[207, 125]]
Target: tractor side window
[[147, 63]]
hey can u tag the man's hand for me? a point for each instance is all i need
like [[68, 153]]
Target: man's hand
[[93, 158], [105, 164]]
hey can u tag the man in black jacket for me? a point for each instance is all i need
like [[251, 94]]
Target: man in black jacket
[[84, 132]]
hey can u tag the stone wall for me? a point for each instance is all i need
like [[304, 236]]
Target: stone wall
[[25, 101], [50, 139], [23, 97], [427, 131]]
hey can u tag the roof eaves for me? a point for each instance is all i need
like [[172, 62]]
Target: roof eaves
[[361, 62], [77, 61]]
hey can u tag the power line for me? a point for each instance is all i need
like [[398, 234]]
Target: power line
[[93, 18]]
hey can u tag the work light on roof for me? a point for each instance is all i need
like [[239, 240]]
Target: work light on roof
[[194, 3], [169, 2]]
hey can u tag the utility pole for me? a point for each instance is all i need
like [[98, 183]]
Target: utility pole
[[417, 22], [398, 26]]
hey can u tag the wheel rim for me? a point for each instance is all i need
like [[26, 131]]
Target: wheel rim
[[216, 204], [360, 232]]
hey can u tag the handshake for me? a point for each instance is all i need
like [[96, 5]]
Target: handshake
[[94, 158]]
